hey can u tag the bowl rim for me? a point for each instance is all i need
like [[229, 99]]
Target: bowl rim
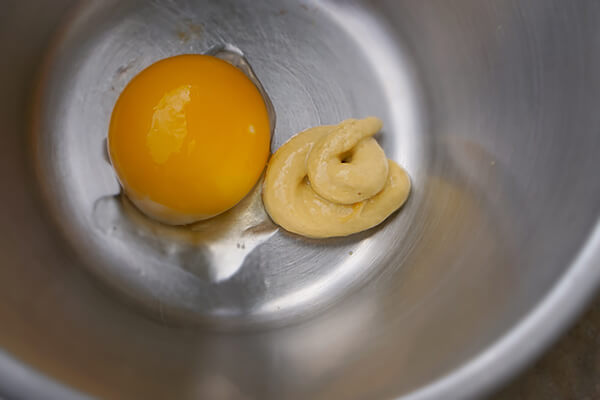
[[515, 350], [485, 372]]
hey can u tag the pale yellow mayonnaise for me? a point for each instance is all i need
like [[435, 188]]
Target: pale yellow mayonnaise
[[333, 180]]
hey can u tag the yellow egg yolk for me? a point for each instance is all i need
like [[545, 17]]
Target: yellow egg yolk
[[189, 137]]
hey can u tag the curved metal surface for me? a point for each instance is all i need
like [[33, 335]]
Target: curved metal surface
[[490, 106], [235, 270]]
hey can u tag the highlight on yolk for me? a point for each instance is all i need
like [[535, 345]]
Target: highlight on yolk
[[189, 137]]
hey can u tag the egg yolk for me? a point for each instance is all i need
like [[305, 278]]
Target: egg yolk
[[189, 137]]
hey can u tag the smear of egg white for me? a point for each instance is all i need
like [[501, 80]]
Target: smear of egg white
[[214, 249], [232, 236]]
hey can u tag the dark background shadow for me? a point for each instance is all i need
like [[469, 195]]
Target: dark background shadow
[[570, 369]]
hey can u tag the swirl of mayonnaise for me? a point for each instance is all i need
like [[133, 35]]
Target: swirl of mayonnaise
[[333, 180]]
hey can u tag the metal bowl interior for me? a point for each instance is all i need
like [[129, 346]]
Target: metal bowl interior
[[489, 106]]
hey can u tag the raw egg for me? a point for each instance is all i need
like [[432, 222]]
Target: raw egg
[[189, 137]]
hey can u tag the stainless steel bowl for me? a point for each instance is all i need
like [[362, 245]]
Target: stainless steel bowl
[[491, 107]]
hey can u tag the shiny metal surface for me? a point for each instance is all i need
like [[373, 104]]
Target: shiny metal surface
[[234, 270], [489, 105]]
